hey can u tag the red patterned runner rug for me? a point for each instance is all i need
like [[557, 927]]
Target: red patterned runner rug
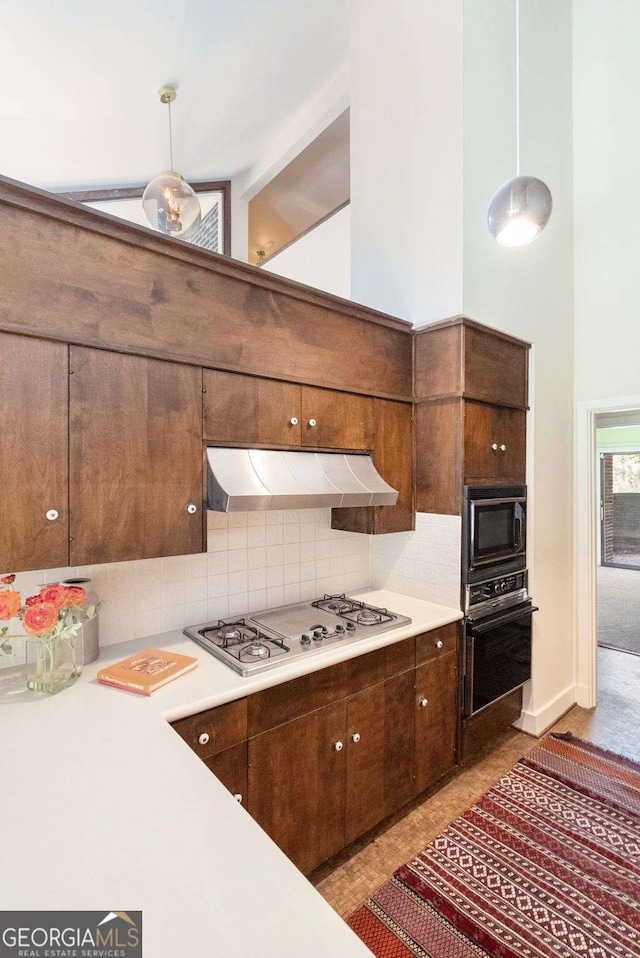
[[545, 865]]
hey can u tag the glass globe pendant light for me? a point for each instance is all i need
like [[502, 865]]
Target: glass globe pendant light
[[520, 209], [169, 203]]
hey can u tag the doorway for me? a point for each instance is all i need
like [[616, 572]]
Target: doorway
[[618, 571], [593, 416], [619, 508]]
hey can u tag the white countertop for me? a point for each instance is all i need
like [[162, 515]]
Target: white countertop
[[104, 807]]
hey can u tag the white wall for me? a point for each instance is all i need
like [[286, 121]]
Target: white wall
[[406, 157], [606, 177], [320, 258], [529, 291]]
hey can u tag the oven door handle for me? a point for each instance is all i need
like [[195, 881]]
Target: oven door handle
[[512, 616]]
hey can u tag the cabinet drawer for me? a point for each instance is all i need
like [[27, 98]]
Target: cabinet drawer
[[288, 701], [435, 644], [378, 666], [215, 730]]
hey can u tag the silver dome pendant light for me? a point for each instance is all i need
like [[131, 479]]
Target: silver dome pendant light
[[169, 203], [520, 209]]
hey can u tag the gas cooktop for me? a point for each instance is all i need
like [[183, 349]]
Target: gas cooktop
[[265, 640]]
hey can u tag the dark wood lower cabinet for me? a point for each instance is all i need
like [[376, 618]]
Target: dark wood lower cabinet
[[324, 758], [231, 767], [436, 708], [297, 785], [380, 730]]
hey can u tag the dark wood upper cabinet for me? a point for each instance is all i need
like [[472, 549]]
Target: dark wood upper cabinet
[[460, 357], [249, 410], [495, 367], [73, 274], [436, 715], [34, 460], [335, 420], [471, 393], [135, 458], [393, 458], [380, 750], [494, 443]]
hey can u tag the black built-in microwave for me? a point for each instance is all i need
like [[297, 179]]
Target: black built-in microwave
[[494, 533]]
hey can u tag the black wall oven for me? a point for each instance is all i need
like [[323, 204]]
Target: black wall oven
[[494, 536], [497, 652]]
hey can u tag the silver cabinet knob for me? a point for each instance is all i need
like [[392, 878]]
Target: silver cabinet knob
[[424, 703], [439, 644], [355, 737], [494, 446], [338, 746], [503, 448], [191, 508], [51, 514], [293, 421], [312, 423], [203, 738], [238, 797]]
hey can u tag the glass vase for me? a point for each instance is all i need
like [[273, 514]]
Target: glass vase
[[90, 627], [53, 662]]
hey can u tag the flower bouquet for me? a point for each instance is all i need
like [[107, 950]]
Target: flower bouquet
[[54, 658]]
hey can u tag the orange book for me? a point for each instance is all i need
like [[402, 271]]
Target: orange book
[[147, 671]]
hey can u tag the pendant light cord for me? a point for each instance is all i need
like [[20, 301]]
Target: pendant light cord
[[170, 138], [517, 87]]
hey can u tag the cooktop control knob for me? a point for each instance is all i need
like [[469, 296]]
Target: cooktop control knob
[[339, 627], [305, 639], [317, 635], [351, 626]]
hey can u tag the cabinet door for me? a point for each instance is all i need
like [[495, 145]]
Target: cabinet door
[[135, 457], [380, 749], [231, 768], [393, 457], [335, 420], [297, 785], [34, 460], [249, 410], [436, 718], [494, 442]]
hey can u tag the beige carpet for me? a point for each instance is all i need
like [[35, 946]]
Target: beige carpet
[[619, 609]]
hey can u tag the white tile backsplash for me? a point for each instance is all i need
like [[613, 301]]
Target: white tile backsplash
[[424, 564], [262, 560], [254, 561]]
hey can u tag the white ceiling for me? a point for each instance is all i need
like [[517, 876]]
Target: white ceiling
[[80, 80]]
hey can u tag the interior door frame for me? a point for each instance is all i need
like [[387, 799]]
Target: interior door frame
[[586, 533]]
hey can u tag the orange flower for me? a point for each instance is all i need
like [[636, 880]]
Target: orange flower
[[55, 594], [75, 595], [40, 619], [10, 603], [34, 600]]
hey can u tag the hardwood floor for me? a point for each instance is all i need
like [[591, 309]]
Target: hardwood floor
[[354, 875]]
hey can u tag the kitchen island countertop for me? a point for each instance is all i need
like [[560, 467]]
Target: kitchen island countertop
[[104, 807]]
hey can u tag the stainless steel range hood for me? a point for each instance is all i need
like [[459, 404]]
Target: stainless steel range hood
[[250, 480]]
